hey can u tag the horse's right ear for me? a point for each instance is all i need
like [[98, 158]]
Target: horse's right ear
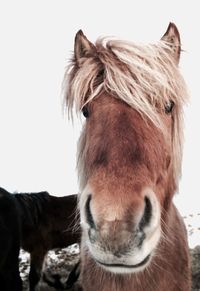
[[172, 39], [82, 47]]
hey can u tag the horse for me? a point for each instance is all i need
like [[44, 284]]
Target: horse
[[129, 162], [47, 222], [10, 279]]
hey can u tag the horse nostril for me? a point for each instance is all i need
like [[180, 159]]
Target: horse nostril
[[147, 213], [88, 212]]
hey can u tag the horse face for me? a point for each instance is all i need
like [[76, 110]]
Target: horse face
[[130, 148], [126, 161]]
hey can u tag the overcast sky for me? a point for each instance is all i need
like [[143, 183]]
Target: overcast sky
[[37, 144]]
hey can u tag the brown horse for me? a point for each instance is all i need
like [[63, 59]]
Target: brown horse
[[130, 152]]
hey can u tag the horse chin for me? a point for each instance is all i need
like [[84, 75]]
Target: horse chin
[[126, 269]]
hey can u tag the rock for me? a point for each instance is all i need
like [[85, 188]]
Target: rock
[[195, 262]]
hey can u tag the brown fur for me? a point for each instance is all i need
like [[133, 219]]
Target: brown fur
[[140, 157], [125, 149]]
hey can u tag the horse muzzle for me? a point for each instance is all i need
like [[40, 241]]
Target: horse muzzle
[[122, 245]]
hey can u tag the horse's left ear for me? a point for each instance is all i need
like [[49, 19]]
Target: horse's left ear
[[172, 39], [82, 47]]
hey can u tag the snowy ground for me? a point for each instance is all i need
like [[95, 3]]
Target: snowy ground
[[192, 222], [58, 262]]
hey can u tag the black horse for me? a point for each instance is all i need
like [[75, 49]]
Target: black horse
[[47, 222], [10, 279]]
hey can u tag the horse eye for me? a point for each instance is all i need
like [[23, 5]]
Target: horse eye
[[169, 106], [85, 112]]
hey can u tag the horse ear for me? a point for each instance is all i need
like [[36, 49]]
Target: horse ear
[[82, 47], [172, 39]]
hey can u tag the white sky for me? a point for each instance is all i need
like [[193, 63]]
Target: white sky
[[37, 144]]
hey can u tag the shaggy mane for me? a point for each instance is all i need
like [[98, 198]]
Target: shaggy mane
[[146, 77]]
